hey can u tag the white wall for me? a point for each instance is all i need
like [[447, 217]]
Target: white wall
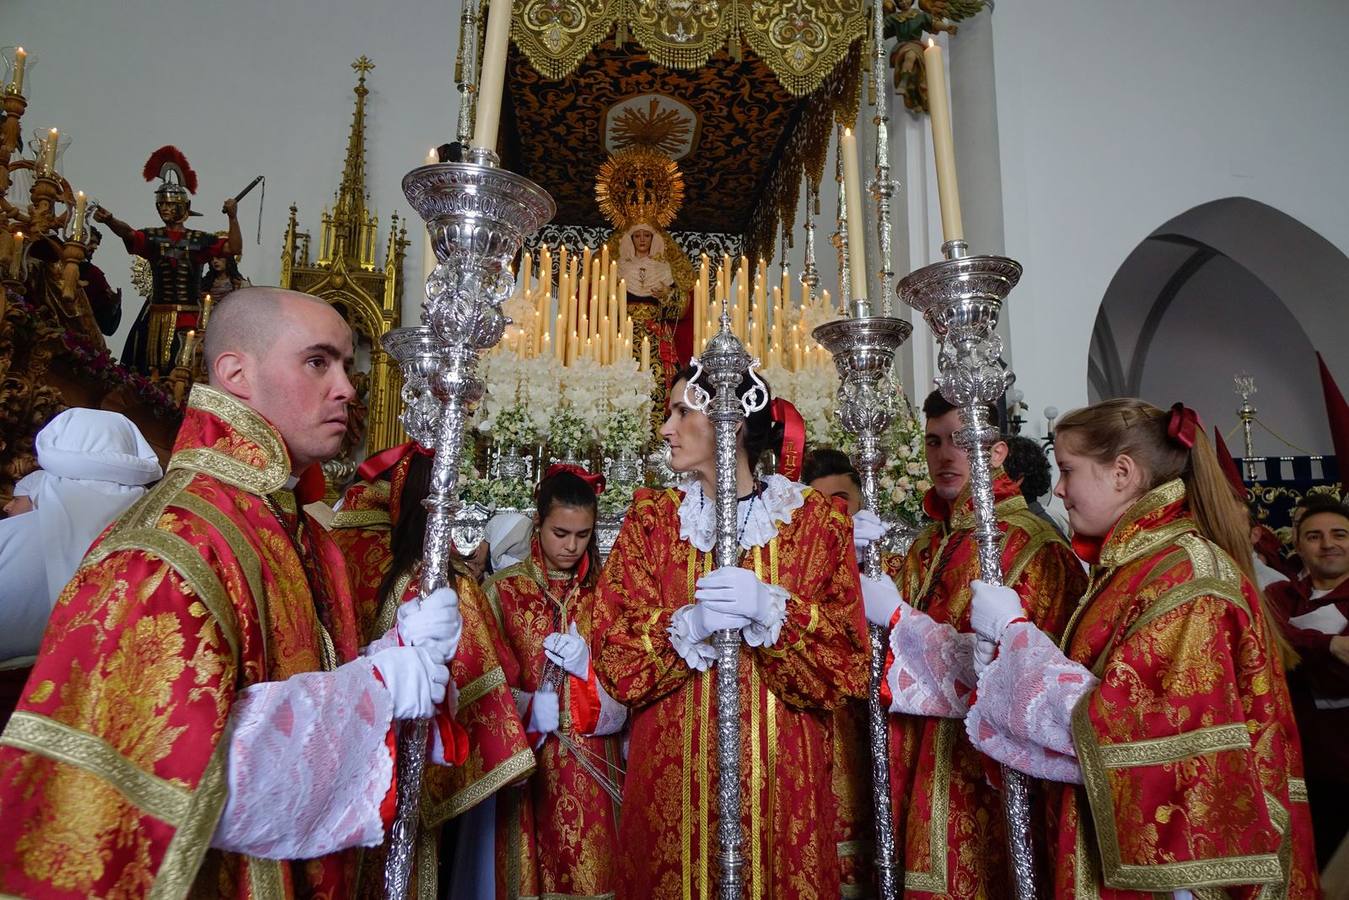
[[1115, 117], [1225, 316]]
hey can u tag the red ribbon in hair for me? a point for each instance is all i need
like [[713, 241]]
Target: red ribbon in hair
[[594, 479], [1182, 425], [793, 437], [385, 460]]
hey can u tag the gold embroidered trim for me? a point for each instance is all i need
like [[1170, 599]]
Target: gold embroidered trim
[[1126, 543], [1257, 868], [247, 557], [1159, 751], [275, 471], [55, 740], [265, 881], [388, 607], [934, 880], [475, 689], [847, 849], [187, 562], [428, 863], [686, 795], [512, 768], [1297, 790], [192, 839], [360, 518]]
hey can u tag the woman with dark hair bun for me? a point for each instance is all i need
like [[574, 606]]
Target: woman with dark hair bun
[[556, 833], [796, 602]]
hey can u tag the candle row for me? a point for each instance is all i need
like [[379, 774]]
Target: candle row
[[582, 312]]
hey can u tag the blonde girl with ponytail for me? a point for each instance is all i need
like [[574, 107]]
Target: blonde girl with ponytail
[[1163, 714]]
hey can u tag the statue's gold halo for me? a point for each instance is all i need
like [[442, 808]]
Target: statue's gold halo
[[639, 185]]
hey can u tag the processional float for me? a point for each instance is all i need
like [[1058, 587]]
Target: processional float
[[478, 215]]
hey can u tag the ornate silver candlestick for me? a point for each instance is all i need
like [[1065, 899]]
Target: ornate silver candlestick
[[1245, 390], [478, 216], [864, 350], [961, 298], [417, 351], [725, 361]]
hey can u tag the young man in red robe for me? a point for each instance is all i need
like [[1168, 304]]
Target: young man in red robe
[[948, 817], [198, 720]]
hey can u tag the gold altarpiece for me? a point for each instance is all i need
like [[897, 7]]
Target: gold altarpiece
[[343, 270]]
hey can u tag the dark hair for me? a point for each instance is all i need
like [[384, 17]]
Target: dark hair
[[409, 532], [1026, 461], [1315, 504], [825, 461], [569, 489], [761, 433], [935, 406], [231, 271]]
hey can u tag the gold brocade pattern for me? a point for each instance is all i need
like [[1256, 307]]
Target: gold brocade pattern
[[1190, 761], [112, 773], [946, 814], [251, 455], [802, 41], [789, 692]]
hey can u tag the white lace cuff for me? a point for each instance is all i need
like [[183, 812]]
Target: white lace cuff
[[759, 635], [1023, 714], [612, 713], [383, 642], [933, 671], [699, 655], [308, 766]]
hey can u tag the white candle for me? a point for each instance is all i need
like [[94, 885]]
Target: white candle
[[20, 63], [857, 240], [943, 147], [47, 164], [428, 253], [493, 77], [77, 227]]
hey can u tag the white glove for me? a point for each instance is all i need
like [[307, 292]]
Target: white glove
[[867, 528], [881, 598], [544, 715], [992, 608], [569, 651], [414, 679], [705, 619], [984, 651], [435, 624], [736, 591]]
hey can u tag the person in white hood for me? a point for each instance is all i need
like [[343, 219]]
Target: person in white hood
[[93, 465]]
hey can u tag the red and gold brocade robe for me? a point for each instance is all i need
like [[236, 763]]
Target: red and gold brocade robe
[[1188, 748], [788, 694], [948, 819], [557, 833], [498, 752], [112, 771]]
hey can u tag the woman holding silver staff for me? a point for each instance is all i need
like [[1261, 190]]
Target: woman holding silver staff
[[1163, 714], [795, 599], [556, 833]]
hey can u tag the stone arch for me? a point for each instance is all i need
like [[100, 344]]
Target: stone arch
[[1234, 285]]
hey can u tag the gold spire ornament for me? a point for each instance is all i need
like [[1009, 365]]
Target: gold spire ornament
[[639, 185]]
